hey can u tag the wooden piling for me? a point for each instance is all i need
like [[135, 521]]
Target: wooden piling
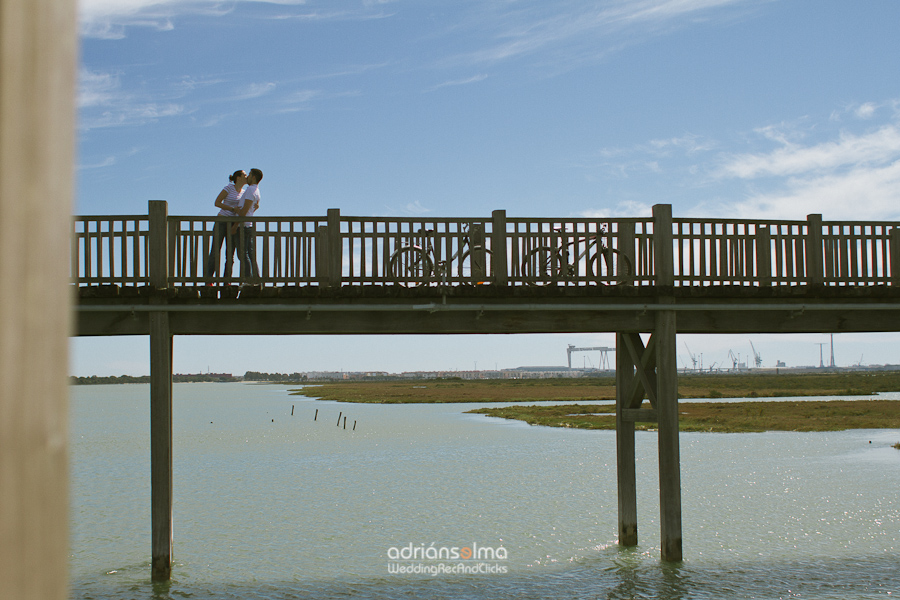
[[669, 452], [339, 418], [160, 399], [160, 446], [625, 454]]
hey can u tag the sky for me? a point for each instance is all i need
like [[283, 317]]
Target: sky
[[721, 108]]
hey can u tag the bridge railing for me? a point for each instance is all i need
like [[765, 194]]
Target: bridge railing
[[337, 250]]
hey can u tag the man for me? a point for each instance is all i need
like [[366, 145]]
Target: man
[[247, 205]]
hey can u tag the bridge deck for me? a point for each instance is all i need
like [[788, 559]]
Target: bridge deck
[[338, 274]]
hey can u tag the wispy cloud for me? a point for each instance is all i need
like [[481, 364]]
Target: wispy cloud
[[110, 19], [103, 103], [455, 82], [851, 176], [849, 150], [256, 90], [106, 162], [576, 31]]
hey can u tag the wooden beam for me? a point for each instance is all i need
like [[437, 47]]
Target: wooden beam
[[644, 360], [38, 66]]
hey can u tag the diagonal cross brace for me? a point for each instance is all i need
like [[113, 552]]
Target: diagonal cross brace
[[644, 360]]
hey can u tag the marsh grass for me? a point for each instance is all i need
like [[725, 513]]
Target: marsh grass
[[724, 417], [603, 388]]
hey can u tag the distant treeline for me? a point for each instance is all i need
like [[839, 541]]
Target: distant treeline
[[257, 376], [177, 378]]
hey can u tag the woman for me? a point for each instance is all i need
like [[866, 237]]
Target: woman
[[227, 201]]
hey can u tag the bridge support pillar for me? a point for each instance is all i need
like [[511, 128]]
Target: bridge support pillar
[[669, 451], [625, 455], [161, 446], [649, 371]]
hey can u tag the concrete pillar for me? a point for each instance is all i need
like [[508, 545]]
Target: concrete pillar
[[38, 43]]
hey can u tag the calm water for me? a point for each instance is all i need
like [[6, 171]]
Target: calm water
[[274, 506]]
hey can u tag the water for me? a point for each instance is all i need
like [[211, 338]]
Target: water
[[274, 506]]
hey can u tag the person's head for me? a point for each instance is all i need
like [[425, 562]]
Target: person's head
[[238, 178], [254, 177]]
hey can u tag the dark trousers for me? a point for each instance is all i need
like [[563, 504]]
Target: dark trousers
[[247, 252], [221, 232]]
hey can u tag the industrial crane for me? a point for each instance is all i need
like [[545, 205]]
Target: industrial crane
[[604, 357], [757, 359]]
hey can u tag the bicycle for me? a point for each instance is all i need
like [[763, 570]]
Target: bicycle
[[548, 265], [417, 266]]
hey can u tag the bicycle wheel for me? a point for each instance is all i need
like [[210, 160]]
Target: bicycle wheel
[[541, 266], [410, 267], [475, 268], [609, 267]]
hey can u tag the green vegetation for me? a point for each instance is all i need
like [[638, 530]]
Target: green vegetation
[[177, 378], [725, 417], [603, 388]]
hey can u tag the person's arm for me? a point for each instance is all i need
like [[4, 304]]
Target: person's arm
[[220, 200], [246, 203]]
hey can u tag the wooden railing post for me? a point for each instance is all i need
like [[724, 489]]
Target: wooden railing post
[[625, 246], [895, 256], [764, 255], [815, 274], [499, 262], [477, 253], [663, 253], [322, 274], [159, 244], [334, 256]]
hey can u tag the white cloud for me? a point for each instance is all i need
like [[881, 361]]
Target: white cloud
[[256, 90], [866, 111], [97, 89], [529, 28], [109, 19], [107, 162], [455, 82], [627, 208], [872, 148], [864, 193], [416, 208], [103, 103], [855, 176]]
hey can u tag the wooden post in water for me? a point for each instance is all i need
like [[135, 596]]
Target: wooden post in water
[[667, 389], [669, 451], [625, 455], [160, 400], [38, 69]]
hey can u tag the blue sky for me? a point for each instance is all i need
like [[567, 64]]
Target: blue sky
[[736, 108]]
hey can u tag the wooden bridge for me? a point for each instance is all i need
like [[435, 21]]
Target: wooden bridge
[[146, 275]]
